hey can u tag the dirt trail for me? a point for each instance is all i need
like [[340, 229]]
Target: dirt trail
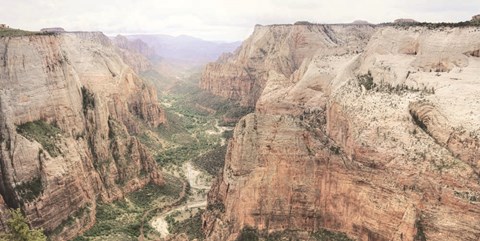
[[165, 209], [194, 177], [160, 222], [219, 130], [196, 183]]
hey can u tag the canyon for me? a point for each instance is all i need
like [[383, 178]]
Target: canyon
[[69, 109], [344, 131], [368, 130]]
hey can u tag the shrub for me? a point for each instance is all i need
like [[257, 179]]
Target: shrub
[[30, 190], [88, 99], [191, 226], [420, 234], [326, 235], [43, 133], [248, 234], [212, 161], [11, 32], [366, 80], [216, 206], [18, 229], [145, 196], [80, 212], [434, 25]]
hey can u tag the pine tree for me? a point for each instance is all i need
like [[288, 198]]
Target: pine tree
[[18, 229]]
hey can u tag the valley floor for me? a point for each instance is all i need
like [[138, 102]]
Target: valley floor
[[190, 151]]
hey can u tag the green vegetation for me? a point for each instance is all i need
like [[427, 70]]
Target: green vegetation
[[189, 99], [18, 229], [216, 207], [11, 32], [248, 234], [212, 161], [176, 129], [190, 116], [227, 135], [42, 132], [88, 100], [188, 131], [160, 81], [335, 150], [435, 25], [192, 226], [121, 220], [179, 155], [30, 190], [326, 235], [420, 234], [144, 197], [366, 81], [251, 234], [399, 89], [468, 195], [71, 219], [117, 218], [304, 23]]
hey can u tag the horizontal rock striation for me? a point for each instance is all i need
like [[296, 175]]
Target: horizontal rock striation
[[68, 108], [242, 76], [381, 143]]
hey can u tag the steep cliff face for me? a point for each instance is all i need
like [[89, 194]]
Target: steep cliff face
[[381, 145], [68, 107], [135, 53], [242, 76]]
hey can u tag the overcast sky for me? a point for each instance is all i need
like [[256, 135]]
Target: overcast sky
[[219, 19]]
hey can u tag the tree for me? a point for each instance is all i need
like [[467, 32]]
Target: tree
[[18, 229]]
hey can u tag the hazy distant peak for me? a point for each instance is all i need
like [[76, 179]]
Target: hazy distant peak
[[360, 22], [186, 47], [405, 20]]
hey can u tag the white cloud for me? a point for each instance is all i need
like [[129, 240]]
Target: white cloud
[[218, 19]]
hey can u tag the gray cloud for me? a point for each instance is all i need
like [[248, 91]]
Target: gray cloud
[[218, 19]]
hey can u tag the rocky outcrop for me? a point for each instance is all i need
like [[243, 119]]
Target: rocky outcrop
[[243, 75], [405, 20], [68, 108], [378, 144], [476, 18], [52, 30], [135, 53], [360, 22]]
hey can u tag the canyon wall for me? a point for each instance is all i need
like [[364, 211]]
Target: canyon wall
[[242, 76], [69, 109], [372, 131], [135, 53]]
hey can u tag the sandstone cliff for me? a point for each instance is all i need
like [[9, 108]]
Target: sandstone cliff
[[242, 76], [135, 53], [68, 108], [377, 138]]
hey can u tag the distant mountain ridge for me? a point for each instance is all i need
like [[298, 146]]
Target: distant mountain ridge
[[186, 48]]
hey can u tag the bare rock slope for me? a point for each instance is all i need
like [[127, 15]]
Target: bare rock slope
[[135, 53], [68, 108], [279, 48], [370, 131]]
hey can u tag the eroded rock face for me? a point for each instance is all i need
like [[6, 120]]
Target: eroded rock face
[[135, 53], [476, 18], [77, 88], [242, 76], [381, 145]]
